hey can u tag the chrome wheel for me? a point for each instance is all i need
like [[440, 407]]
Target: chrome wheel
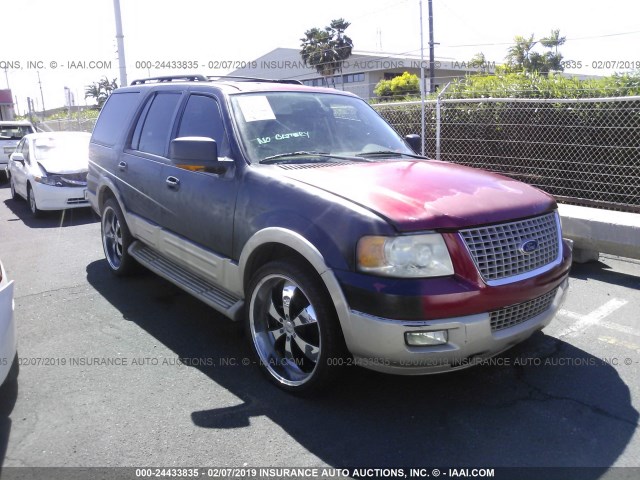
[[112, 241], [285, 330], [116, 239]]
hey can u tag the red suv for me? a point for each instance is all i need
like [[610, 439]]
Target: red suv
[[300, 212]]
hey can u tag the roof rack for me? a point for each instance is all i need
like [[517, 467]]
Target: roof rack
[[254, 79], [210, 78], [171, 78]]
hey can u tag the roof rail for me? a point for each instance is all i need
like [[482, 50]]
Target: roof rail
[[171, 78], [253, 79]]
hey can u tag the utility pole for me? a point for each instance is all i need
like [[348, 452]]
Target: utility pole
[[120, 38], [432, 63], [41, 94], [30, 110]]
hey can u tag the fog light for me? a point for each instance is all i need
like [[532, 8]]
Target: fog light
[[420, 339]]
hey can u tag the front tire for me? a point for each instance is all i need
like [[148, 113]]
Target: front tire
[[116, 239], [293, 327], [14, 194], [31, 199]]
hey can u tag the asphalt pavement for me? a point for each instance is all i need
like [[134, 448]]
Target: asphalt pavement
[[135, 372]]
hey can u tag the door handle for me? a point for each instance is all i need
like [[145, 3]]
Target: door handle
[[173, 183], [122, 166]]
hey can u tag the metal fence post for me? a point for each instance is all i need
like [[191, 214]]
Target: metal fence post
[[438, 117]]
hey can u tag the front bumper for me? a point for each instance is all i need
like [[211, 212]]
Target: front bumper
[[379, 343], [49, 197]]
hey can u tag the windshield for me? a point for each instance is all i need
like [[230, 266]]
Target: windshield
[[14, 132], [63, 148], [273, 124]]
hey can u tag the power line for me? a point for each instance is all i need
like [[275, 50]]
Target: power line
[[568, 39]]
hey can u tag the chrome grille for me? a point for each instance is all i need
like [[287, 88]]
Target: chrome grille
[[516, 314], [497, 250]]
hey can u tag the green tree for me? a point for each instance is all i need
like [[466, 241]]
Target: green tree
[[479, 61], [553, 58], [519, 54], [327, 49], [521, 57], [398, 87], [100, 90]]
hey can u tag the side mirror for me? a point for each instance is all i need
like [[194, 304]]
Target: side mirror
[[194, 153], [415, 142], [18, 157]]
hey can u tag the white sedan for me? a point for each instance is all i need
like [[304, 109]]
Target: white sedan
[[49, 170], [8, 360]]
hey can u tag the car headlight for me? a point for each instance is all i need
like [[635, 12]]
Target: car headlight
[[52, 180], [412, 256]]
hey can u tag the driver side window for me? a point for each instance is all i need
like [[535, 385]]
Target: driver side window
[[23, 148], [202, 118]]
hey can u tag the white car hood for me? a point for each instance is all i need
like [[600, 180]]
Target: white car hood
[[65, 165]]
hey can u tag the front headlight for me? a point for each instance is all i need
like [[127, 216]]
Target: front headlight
[[412, 256], [53, 180]]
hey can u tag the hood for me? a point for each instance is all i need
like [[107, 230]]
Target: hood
[[62, 165], [423, 195]]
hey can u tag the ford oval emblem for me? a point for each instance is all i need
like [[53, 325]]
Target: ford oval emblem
[[528, 247]]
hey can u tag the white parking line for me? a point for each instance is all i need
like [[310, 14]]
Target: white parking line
[[620, 328], [586, 321], [621, 343]]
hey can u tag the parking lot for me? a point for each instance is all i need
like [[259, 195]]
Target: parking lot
[[134, 372]]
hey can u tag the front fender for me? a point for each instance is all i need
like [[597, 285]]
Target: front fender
[[295, 241]]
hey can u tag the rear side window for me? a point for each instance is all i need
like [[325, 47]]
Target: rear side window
[[151, 134], [114, 117]]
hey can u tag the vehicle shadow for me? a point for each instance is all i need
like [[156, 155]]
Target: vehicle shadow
[[8, 398], [542, 404], [50, 219], [602, 272]]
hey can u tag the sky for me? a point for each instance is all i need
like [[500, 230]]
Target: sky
[[71, 43]]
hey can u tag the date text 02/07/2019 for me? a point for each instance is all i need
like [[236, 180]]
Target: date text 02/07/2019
[[193, 64], [601, 64]]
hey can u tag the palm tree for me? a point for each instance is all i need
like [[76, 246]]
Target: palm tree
[[100, 90], [519, 55], [553, 59], [327, 49]]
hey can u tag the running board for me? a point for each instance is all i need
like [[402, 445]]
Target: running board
[[202, 289]]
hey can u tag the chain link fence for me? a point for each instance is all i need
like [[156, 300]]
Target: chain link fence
[[67, 125], [583, 151]]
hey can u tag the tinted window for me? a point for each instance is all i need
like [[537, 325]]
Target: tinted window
[[14, 132], [156, 126], [114, 117], [202, 118]]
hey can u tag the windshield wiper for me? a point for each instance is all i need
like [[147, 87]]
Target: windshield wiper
[[280, 156], [390, 153]]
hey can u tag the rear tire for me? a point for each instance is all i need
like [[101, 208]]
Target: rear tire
[[293, 327], [116, 239]]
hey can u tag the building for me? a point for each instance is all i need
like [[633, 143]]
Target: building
[[360, 74], [6, 105]]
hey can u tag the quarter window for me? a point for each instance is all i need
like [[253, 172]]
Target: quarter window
[[114, 115]]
